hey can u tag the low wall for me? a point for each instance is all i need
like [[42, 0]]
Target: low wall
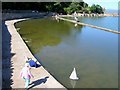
[[10, 15], [79, 23]]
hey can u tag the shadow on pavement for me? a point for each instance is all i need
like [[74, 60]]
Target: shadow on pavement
[[38, 82], [7, 68]]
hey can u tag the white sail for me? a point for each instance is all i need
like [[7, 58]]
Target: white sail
[[73, 75]]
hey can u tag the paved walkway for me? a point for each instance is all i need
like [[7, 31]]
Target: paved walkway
[[42, 79]]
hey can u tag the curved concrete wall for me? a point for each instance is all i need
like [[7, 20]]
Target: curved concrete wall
[[42, 79]]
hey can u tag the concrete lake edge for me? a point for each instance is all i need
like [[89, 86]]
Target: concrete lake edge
[[21, 50], [60, 17]]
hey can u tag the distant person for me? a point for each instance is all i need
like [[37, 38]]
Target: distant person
[[74, 14], [76, 19], [26, 74], [57, 17]]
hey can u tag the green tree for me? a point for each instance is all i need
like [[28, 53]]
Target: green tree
[[96, 9], [93, 8], [59, 7], [99, 9], [74, 6]]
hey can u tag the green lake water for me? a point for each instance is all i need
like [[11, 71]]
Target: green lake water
[[60, 47]]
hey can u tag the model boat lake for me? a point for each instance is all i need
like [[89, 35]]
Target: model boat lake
[[60, 46]]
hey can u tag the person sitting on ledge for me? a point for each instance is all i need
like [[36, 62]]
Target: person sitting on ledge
[[32, 63]]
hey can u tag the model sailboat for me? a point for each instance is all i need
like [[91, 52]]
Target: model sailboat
[[73, 75]]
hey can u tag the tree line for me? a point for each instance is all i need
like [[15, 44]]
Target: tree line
[[59, 7]]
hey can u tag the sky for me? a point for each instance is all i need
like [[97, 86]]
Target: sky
[[108, 4]]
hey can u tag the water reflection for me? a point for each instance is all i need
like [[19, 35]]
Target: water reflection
[[39, 33], [73, 83]]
